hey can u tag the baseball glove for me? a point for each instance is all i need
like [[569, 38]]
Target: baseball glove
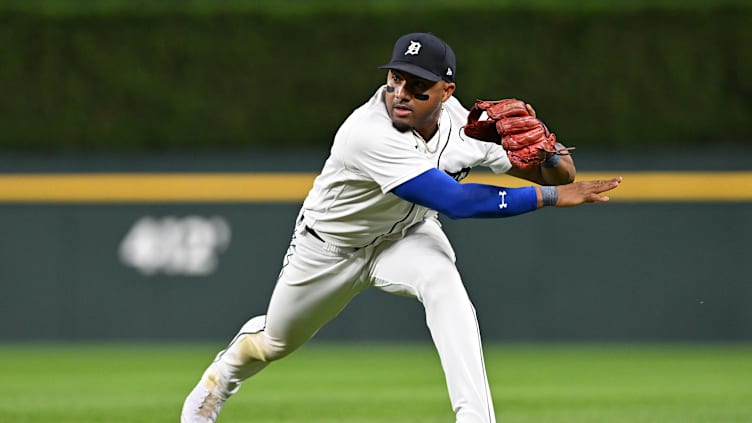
[[512, 123]]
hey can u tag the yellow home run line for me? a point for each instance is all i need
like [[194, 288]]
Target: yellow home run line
[[293, 187]]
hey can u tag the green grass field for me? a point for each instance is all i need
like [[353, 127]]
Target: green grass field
[[364, 383]]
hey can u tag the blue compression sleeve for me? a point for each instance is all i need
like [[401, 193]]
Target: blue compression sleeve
[[438, 191]]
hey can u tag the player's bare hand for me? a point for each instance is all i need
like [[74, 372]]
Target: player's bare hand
[[577, 193]]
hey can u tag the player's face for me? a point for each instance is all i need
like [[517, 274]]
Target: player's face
[[415, 103]]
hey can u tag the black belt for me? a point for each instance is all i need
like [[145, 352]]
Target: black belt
[[312, 232]]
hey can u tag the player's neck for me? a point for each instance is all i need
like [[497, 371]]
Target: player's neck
[[427, 132]]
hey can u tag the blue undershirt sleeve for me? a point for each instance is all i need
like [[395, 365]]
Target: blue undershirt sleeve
[[438, 191]]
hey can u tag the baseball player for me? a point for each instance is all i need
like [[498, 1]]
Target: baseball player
[[370, 220]]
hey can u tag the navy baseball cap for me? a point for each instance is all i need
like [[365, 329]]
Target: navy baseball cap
[[424, 55]]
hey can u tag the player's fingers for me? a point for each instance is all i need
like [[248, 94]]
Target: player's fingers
[[530, 110], [596, 198], [605, 185]]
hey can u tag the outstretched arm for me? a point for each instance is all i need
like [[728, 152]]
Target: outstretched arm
[[438, 191]]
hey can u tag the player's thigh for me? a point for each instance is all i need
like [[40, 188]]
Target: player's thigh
[[421, 262], [313, 287]]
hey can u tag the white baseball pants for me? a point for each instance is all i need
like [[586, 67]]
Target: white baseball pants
[[318, 280]]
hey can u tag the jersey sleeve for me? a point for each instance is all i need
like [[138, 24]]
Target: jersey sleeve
[[490, 155], [497, 159]]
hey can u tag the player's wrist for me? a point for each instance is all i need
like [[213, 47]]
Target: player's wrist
[[549, 196], [554, 158], [551, 161]]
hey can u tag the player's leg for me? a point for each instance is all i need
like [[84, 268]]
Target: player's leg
[[314, 286], [218, 382], [422, 265]]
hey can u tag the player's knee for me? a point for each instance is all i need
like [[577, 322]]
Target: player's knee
[[276, 351], [255, 344], [254, 325], [258, 346], [444, 282]]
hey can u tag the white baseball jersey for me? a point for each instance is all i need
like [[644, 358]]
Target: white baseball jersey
[[350, 204]]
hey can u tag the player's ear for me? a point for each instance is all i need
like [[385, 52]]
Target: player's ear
[[448, 90]]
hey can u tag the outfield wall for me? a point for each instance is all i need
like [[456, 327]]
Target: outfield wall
[[118, 268]]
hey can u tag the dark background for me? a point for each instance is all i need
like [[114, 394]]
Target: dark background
[[242, 86], [118, 75]]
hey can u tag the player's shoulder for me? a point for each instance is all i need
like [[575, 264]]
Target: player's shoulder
[[367, 127], [370, 117], [454, 106]]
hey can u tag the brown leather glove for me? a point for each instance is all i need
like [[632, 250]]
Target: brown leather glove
[[512, 123]]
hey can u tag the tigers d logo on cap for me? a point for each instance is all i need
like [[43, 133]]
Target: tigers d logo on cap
[[424, 55], [413, 48]]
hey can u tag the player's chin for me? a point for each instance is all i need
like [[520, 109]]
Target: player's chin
[[401, 124]]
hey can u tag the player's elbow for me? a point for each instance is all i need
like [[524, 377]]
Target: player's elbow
[[570, 175]]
